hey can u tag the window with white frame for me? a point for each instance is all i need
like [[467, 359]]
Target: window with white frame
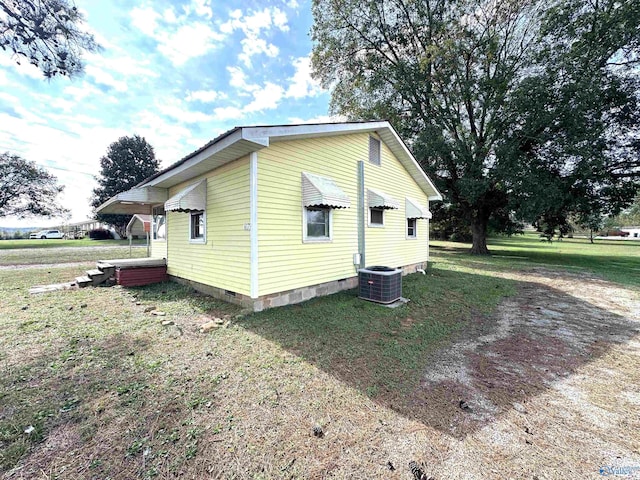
[[317, 223], [197, 227], [159, 223], [412, 228], [376, 217], [374, 151]]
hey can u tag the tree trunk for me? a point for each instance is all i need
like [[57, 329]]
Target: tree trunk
[[479, 231]]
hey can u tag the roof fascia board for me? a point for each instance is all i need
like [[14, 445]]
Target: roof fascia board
[[284, 132], [262, 136], [207, 153], [137, 195], [412, 159]]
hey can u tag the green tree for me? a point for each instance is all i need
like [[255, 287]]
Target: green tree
[[573, 148], [128, 162], [45, 33], [27, 190], [453, 78]]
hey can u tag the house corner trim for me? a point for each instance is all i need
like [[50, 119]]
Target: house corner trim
[[253, 214]]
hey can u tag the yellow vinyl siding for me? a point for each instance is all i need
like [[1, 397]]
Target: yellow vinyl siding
[[389, 245], [224, 260], [285, 262], [158, 248]]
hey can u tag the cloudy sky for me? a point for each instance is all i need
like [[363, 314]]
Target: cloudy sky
[[177, 73]]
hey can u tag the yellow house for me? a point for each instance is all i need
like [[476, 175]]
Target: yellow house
[[272, 215]]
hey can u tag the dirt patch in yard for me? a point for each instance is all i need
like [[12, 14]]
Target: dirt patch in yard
[[559, 362]]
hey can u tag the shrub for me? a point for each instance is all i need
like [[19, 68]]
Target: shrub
[[100, 234]]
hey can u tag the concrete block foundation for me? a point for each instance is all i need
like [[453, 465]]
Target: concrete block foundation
[[288, 297]]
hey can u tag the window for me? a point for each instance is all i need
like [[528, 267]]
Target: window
[[317, 223], [159, 223], [411, 228], [374, 151], [376, 217], [197, 228]]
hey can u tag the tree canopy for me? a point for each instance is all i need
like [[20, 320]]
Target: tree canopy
[[45, 33], [128, 161], [518, 106], [27, 190]]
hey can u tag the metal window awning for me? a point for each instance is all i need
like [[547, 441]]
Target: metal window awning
[[192, 198], [320, 191], [136, 200], [382, 200], [413, 209]]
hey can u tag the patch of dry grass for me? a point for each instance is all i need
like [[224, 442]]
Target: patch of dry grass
[[112, 393], [59, 255]]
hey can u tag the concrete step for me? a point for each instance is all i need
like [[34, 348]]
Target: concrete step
[[107, 268], [83, 281], [97, 277]]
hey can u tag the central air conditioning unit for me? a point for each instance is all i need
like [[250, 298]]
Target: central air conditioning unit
[[380, 284]]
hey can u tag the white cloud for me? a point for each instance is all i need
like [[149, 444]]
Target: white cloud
[[264, 97], [179, 39], [302, 85], [82, 91], [105, 78], [120, 62], [202, 8], [293, 4], [255, 46], [267, 98], [280, 19], [252, 26], [319, 119], [24, 68], [173, 109], [227, 113], [204, 96], [189, 41], [169, 15], [145, 19], [239, 80]]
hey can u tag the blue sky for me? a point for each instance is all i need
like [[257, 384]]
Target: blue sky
[[177, 73]]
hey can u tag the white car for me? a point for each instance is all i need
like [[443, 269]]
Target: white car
[[44, 234]]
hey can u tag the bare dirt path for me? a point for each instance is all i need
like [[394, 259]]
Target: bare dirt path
[[550, 385]]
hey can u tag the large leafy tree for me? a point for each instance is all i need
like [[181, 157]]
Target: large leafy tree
[[27, 190], [128, 162], [455, 77], [574, 146], [45, 33]]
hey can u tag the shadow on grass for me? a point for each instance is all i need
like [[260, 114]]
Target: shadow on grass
[[446, 346]]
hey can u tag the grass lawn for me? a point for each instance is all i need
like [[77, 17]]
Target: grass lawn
[[93, 359], [55, 243], [615, 260], [107, 390], [53, 256]]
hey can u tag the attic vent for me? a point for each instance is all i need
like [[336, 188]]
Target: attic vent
[[374, 151]]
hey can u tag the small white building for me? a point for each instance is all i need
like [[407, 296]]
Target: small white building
[[634, 232]]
